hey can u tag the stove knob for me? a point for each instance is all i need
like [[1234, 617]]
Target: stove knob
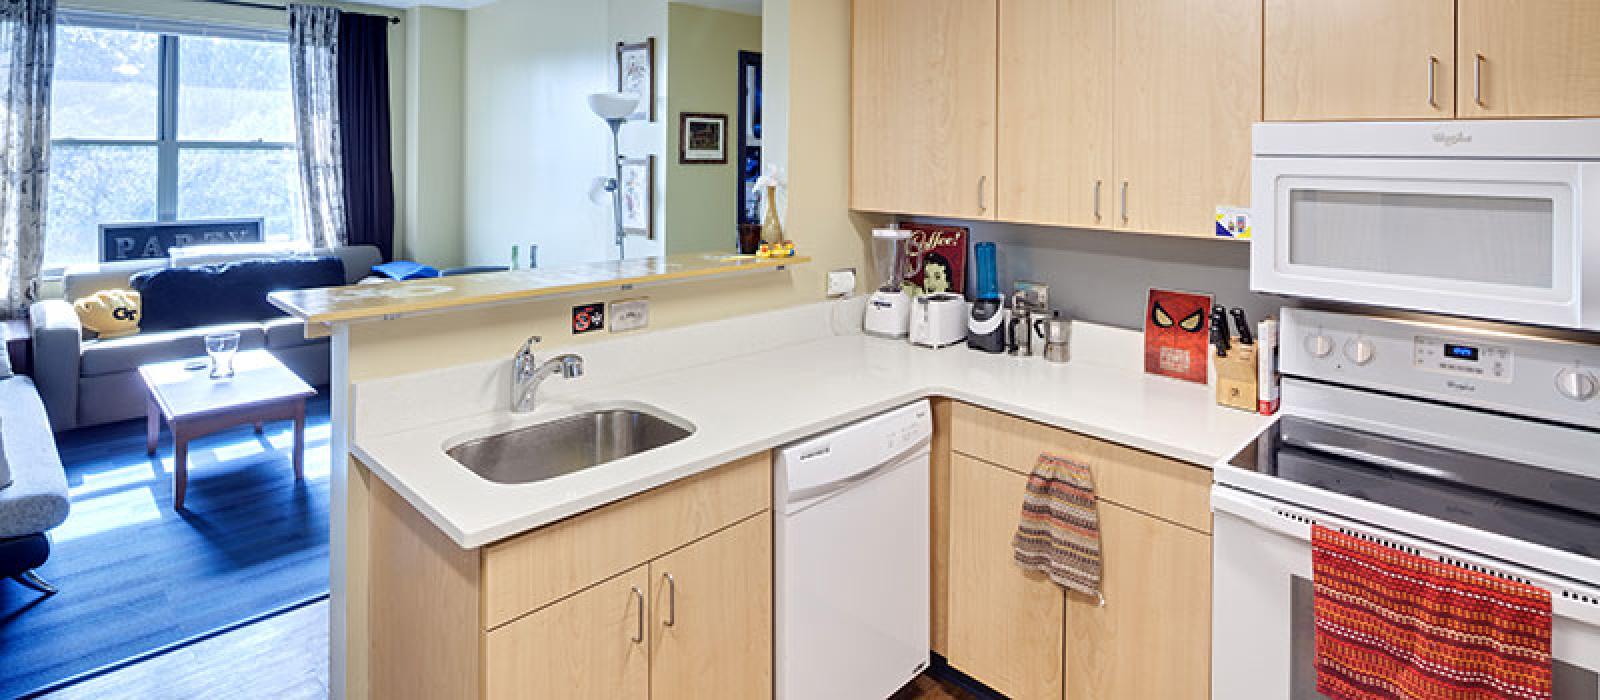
[[1576, 384], [1319, 345], [1359, 351]]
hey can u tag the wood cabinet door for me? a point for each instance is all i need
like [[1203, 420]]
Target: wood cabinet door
[[1187, 89], [1006, 624], [923, 106], [1054, 149], [593, 644], [712, 616], [1528, 58], [1152, 639], [1360, 59]]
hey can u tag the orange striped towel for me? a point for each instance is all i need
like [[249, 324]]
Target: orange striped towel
[[1392, 624], [1059, 533]]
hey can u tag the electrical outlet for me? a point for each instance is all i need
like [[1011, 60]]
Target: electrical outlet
[[629, 315], [841, 282], [588, 318]]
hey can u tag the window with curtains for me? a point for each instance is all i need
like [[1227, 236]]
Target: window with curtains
[[153, 122]]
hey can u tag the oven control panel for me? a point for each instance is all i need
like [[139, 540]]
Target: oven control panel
[[1553, 375], [1466, 357]]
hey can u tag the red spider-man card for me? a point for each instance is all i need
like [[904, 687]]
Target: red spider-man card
[[1177, 334]]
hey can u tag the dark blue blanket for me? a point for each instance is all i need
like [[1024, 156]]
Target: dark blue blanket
[[204, 295]]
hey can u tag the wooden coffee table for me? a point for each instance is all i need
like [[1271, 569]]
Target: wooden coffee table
[[194, 405]]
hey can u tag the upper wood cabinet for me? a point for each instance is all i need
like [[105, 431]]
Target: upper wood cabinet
[[1186, 90], [1360, 59], [1054, 160], [1528, 58], [923, 107]]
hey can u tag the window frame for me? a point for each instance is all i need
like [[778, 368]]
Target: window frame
[[168, 146]]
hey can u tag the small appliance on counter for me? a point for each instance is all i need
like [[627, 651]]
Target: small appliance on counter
[[888, 313], [938, 320], [1057, 334], [986, 327]]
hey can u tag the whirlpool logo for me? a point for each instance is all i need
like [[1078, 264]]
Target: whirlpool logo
[[1461, 386], [1448, 139]]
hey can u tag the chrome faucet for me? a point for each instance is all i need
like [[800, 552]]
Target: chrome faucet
[[527, 374]]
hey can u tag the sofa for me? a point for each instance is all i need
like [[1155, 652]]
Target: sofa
[[91, 381], [36, 498]]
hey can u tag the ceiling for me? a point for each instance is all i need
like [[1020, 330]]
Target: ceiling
[[749, 7]]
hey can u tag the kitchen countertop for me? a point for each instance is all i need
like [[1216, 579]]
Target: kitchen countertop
[[765, 397]]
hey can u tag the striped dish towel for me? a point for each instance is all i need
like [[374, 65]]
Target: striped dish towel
[[1059, 532], [1391, 624]]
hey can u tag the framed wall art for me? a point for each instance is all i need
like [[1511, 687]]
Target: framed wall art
[[702, 138], [636, 75], [638, 196]]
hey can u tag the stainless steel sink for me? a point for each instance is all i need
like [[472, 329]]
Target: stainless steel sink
[[567, 445]]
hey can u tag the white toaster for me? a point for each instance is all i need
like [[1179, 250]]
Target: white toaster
[[938, 320]]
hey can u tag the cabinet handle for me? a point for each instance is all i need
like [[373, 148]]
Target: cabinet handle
[[672, 599], [1124, 201], [1433, 81], [638, 635], [983, 186], [1097, 184], [1477, 80]]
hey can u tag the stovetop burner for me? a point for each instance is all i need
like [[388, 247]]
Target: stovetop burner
[[1523, 501]]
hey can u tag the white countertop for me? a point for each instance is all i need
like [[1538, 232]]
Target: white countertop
[[794, 387]]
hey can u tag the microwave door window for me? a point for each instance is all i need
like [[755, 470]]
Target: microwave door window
[[1474, 239]]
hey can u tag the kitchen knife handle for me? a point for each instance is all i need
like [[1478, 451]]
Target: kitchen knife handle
[[1245, 336]]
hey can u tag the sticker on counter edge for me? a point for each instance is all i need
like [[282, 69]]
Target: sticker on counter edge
[[1233, 222], [587, 318]]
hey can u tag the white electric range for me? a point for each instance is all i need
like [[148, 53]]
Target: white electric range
[[1473, 444]]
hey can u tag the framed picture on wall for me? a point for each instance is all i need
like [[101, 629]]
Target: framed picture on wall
[[638, 196], [636, 75], [702, 138]]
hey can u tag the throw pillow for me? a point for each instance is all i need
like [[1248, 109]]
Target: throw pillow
[[112, 313]]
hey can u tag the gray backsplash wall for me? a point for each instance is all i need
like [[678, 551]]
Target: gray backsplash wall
[[1103, 276]]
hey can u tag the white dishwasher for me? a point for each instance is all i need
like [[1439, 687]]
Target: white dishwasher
[[852, 546]]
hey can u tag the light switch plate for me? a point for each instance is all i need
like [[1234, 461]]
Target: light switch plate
[[841, 282], [629, 315]]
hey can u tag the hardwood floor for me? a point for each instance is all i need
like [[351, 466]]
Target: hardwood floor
[[282, 657], [287, 657]]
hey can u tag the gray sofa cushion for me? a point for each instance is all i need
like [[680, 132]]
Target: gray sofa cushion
[[5, 466], [126, 354], [36, 500]]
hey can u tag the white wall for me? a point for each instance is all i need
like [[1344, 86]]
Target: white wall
[[532, 148]]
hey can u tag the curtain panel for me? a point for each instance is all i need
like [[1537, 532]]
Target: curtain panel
[[364, 130], [313, 64], [27, 58]]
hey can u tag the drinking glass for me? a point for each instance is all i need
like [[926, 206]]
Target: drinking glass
[[221, 347]]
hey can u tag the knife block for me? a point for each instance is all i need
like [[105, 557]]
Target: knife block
[[1237, 378]]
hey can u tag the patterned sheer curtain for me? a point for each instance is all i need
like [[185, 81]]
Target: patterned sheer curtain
[[313, 61], [27, 56]]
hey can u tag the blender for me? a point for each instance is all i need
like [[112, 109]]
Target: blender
[[986, 328], [888, 312]]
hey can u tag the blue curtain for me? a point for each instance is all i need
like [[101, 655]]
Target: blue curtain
[[363, 85]]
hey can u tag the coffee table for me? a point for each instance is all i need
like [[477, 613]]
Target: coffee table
[[194, 405]]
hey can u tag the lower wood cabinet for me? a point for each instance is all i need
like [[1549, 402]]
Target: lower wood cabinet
[[660, 596], [1022, 635], [1005, 623], [1152, 639]]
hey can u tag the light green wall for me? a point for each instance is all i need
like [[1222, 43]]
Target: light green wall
[[434, 135], [701, 212]]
